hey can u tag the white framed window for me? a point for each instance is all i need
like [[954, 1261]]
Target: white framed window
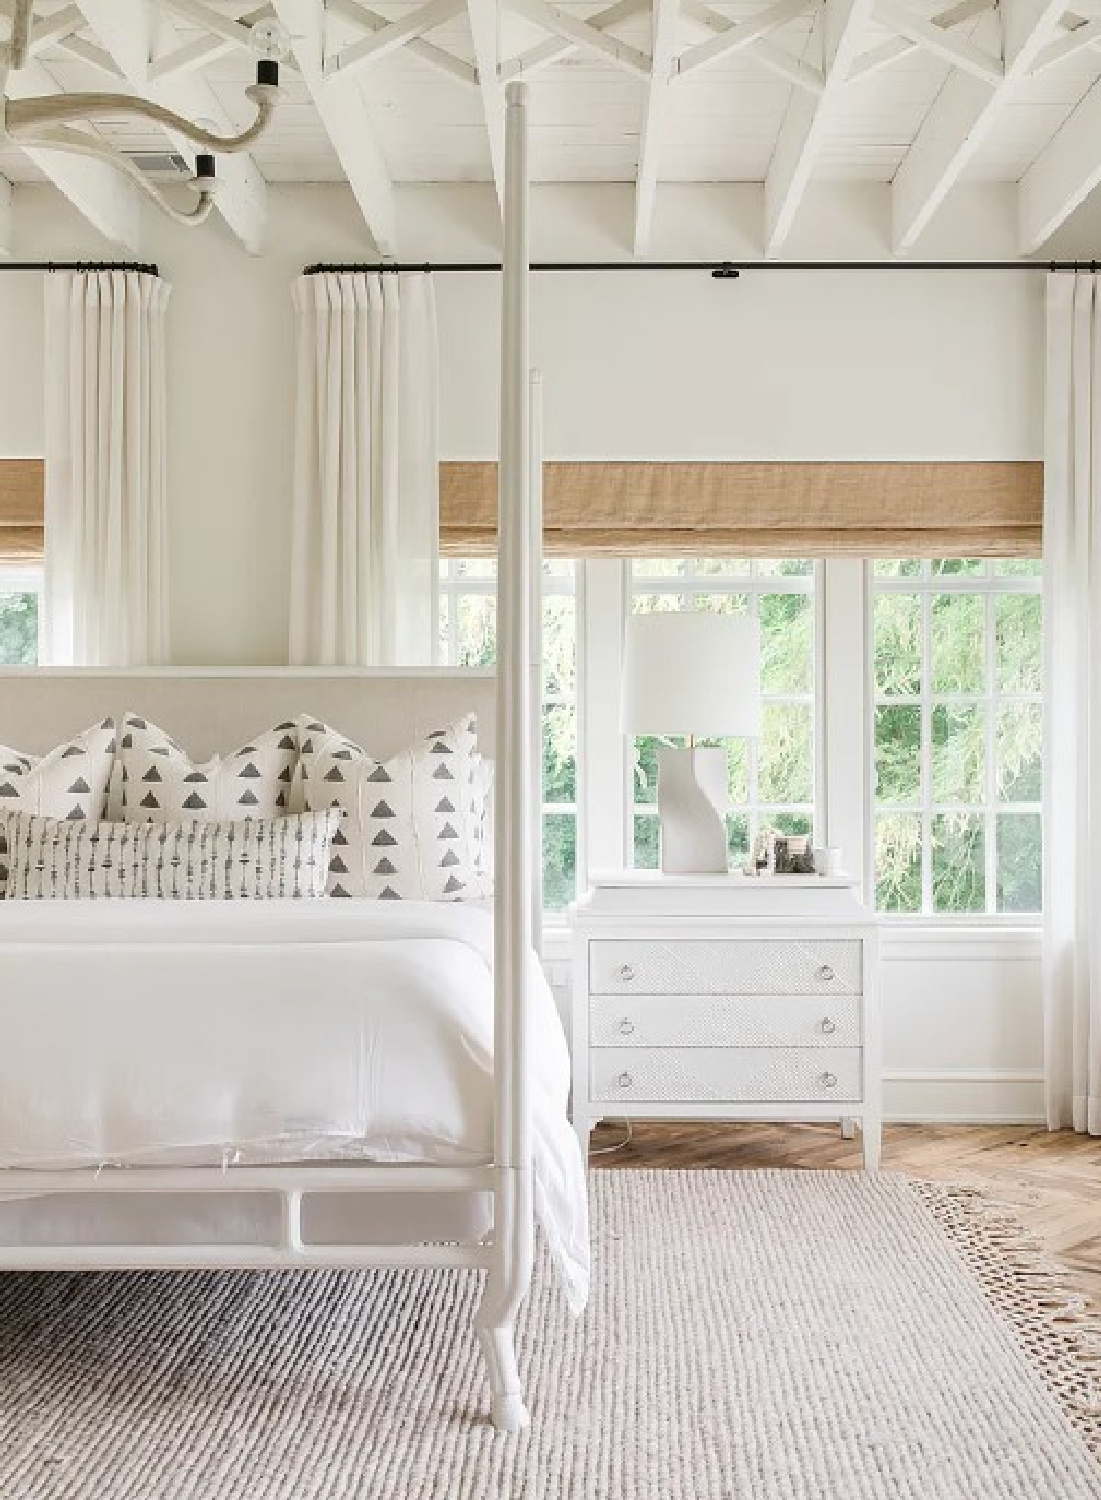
[[468, 638], [773, 782], [20, 601], [956, 729]]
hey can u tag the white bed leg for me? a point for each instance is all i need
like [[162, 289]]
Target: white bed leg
[[506, 1287], [507, 1409]]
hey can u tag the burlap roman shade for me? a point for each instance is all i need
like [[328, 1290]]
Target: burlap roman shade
[[762, 509], [21, 525]]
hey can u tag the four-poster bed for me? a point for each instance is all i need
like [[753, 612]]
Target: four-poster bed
[[487, 1201]]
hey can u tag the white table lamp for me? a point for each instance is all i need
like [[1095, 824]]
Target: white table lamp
[[696, 675]]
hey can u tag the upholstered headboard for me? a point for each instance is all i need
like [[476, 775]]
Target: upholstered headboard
[[211, 709]]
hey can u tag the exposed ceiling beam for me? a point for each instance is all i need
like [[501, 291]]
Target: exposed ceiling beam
[[766, 54], [344, 115], [1063, 175], [365, 20], [386, 39], [896, 47], [961, 118], [582, 34], [737, 36], [1085, 34], [555, 47], [97, 190], [663, 33], [807, 121], [127, 29], [482, 17], [956, 50], [210, 46]]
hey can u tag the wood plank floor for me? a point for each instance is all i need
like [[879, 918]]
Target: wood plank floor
[[1053, 1180]]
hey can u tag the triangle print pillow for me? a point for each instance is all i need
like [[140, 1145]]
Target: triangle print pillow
[[69, 783], [411, 825], [160, 783]]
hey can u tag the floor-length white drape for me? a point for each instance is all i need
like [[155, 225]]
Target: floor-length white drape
[[365, 548], [1072, 627], [106, 575]]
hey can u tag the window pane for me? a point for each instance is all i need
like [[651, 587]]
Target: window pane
[[722, 604], [737, 840], [898, 645], [794, 823], [787, 643], [477, 628], [898, 862], [959, 880], [898, 754], [646, 841], [560, 753], [559, 645], [1018, 567], [445, 630], [959, 643], [721, 567], [18, 629], [737, 771], [648, 604], [958, 752], [786, 771], [474, 567], [645, 777], [559, 860], [784, 567], [947, 566], [657, 567], [1019, 642], [897, 567], [1019, 751], [1020, 862]]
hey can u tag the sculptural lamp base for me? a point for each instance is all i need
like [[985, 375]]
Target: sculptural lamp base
[[692, 803]]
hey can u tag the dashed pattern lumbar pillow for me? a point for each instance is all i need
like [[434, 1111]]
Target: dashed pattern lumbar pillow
[[160, 783], [412, 824], [258, 859], [70, 783]]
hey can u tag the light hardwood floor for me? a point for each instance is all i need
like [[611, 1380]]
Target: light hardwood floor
[[1052, 1180]]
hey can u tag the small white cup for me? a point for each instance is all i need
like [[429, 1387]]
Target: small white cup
[[827, 860]]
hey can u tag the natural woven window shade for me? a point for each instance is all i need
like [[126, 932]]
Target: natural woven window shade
[[21, 510], [761, 509]]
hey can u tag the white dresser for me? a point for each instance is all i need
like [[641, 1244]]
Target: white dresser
[[726, 998]]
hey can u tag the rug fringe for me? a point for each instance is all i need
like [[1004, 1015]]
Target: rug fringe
[[1058, 1326]]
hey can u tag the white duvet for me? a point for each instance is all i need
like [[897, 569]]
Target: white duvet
[[271, 1031]]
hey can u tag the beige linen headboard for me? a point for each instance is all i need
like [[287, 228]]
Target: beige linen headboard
[[210, 710]]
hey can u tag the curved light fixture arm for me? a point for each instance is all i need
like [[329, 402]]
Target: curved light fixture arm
[[78, 144], [24, 116]]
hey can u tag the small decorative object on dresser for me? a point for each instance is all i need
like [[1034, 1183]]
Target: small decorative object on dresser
[[726, 998]]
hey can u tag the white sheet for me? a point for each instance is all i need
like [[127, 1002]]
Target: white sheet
[[153, 1031]]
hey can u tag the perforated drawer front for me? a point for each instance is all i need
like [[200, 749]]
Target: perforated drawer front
[[725, 1021], [698, 1075], [704, 966]]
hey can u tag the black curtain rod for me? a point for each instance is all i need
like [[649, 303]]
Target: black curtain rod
[[147, 267], [720, 269]]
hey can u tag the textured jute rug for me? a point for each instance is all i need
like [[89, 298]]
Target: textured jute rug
[[751, 1336]]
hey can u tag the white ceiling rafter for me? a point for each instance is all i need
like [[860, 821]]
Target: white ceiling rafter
[[555, 48], [772, 58], [482, 16], [582, 34], [939, 40], [392, 35], [1062, 176], [962, 117], [807, 120], [222, 36], [126, 29], [737, 36], [347, 122], [1084, 35], [366, 20], [897, 47], [663, 38]]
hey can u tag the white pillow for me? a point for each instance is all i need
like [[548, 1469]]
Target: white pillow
[[257, 859], [412, 825], [68, 783], [161, 783]]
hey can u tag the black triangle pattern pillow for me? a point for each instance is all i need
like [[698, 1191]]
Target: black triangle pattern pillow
[[160, 783], [411, 824], [69, 783]]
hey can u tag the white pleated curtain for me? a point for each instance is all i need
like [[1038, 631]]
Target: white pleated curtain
[[1072, 632], [106, 521], [365, 555]]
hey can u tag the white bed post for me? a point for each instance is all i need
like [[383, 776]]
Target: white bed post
[[513, 1232], [535, 707]]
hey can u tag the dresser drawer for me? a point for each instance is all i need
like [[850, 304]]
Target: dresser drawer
[[716, 1075], [725, 1021], [704, 966]]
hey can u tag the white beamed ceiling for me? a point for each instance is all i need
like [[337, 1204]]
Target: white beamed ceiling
[[720, 123]]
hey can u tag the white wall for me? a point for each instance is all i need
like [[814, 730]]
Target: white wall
[[777, 365]]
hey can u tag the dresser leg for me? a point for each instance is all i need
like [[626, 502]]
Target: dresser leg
[[872, 1133], [583, 1126], [848, 1128]]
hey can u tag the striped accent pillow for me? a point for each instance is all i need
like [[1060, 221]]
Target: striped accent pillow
[[259, 859]]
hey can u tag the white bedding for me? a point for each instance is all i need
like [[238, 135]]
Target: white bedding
[[270, 1031]]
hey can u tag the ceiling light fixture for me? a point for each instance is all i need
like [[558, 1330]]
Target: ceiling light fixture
[[52, 121]]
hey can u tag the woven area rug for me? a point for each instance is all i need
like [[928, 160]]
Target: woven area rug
[[752, 1336]]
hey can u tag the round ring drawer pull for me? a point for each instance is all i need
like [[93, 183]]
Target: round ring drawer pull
[[625, 1080], [626, 1026], [626, 973], [829, 1026], [828, 1080], [825, 974]]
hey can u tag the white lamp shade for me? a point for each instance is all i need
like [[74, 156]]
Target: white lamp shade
[[691, 673]]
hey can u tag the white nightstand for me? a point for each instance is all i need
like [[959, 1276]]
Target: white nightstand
[[718, 997]]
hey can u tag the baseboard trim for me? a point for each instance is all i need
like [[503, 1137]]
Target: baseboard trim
[[964, 1096]]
